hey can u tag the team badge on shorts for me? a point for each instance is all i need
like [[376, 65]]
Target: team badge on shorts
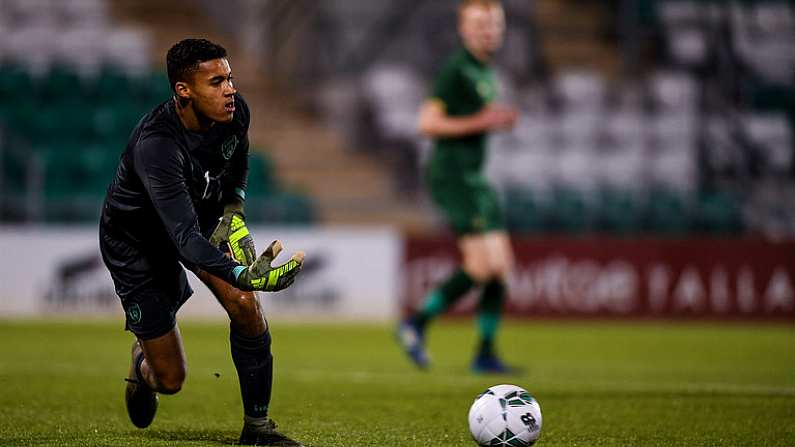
[[134, 312], [229, 146]]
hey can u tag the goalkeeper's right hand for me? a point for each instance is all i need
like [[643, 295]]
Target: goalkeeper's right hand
[[262, 276]]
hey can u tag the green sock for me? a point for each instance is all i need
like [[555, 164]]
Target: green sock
[[489, 313], [444, 296]]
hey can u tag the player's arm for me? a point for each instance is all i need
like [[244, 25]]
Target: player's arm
[[159, 165], [437, 121], [232, 234], [434, 121]]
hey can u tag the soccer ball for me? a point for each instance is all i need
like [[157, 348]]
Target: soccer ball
[[505, 416]]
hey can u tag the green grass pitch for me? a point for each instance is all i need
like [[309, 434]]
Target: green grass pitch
[[598, 383]]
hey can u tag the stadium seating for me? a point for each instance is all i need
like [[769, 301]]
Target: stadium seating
[[701, 142], [72, 87], [625, 168], [617, 212], [68, 146]]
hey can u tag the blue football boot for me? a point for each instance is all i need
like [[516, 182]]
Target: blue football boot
[[412, 339], [491, 364]]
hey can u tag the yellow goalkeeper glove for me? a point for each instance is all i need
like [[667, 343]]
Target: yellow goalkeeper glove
[[262, 276], [232, 234]]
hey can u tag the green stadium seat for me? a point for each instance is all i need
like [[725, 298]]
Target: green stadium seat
[[260, 174], [16, 85], [71, 170], [75, 181], [523, 212], [568, 212], [111, 126], [60, 85], [666, 213], [617, 212], [282, 207], [151, 89], [718, 213], [111, 86], [15, 169], [647, 12], [21, 119], [57, 123], [297, 207]]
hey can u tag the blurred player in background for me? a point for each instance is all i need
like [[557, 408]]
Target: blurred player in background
[[458, 116], [183, 171]]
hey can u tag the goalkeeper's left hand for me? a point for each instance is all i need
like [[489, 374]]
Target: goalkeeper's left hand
[[261, 275], [232, 233]]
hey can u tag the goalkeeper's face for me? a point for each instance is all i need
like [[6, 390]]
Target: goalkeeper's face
[[482, 28], [212, 91]]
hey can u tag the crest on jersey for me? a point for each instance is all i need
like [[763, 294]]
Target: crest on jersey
[[485, 90], [229, 146]]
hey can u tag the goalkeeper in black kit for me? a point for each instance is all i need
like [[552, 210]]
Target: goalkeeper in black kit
[[177, 200]]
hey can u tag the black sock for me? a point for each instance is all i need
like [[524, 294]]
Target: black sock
[[254, 363], [486, 348], [489, 313]]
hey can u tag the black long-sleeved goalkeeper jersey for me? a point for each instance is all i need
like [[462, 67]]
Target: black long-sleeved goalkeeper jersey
[[167, 194]]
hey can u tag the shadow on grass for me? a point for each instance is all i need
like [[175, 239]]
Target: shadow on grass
[[219, 437], [204, 436]]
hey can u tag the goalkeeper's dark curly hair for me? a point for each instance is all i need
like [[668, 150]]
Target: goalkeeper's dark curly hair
[[186, 55]]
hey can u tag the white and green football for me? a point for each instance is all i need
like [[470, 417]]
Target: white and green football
[[505, 416]]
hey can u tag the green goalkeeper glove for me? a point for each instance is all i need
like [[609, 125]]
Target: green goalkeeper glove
[[231, 232], [262, 276]]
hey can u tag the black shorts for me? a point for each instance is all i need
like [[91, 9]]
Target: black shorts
[[149, 276], [150, 313], [151, 292]]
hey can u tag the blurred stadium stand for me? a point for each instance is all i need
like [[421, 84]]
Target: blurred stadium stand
[[73, 84], [664, 117], [637, 116]]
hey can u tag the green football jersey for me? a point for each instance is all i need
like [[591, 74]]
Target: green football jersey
[[465, 85]]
